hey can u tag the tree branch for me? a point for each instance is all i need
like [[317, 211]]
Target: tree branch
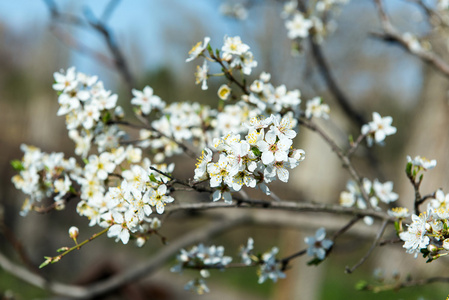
[[375, 243], [136, 273], [391, 34]]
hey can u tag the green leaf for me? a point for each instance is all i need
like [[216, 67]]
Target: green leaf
[[425, 252], [408, 169], [316, 261], [256, 151], [361, 285], [17, 165], [85, 160], [152, 178], [209, 49], [46, 262], [106, 117], [72, 190], [396, 226]]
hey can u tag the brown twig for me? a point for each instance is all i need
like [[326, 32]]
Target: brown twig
[[100, 27], [326, 73], [337, 150], [392, 35], [18, 246], [133, 274], [284, 262], [405, 284], [375, 243]]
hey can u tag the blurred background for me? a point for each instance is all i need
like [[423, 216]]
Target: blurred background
[[155, 37]]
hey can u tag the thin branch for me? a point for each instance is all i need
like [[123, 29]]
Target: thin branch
[[431, 13], [120, 61], [100, 27], [284, 262], [326, 73], [292, 206], [110, 7], [135, 273], [355, 145], [337, 150], [375, 243], [346, 227], [39, 281], [17, 245], [77, 45], [191, 153], [405, 284], [390, 241], [392, 35]]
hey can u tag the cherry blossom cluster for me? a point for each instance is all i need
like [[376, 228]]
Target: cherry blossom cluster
[[87, 107], [201, 258], [421, 164], [264, 155], [269, 266], [428, 233], [317, 109], [42, 175], [315, 21], [375, 191], [204, 258], [186, 123], [234, 55], [125, 206], [272, 100]]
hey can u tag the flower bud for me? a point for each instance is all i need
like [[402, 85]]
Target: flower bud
[[140, 241], [446, 244], [224, 91], [60, 205], [119, 113], [432, 248], [155, 223], [73, 232]]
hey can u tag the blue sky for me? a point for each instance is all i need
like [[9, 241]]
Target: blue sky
[[141, 23], [161, 32]]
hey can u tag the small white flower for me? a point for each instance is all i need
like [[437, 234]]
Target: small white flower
[[198, 49], [378, 129], [224, 91], [440, 200], [201, 75], [318, 245], [147, 100], [422, 162], [234, 45], [65, 82], [119, 229], [415, 237], [298, 27], [201, 165], [385, 191], [159, 198], [245, 252], [272, 150], [316, 108], [270, 267], [399, 212]]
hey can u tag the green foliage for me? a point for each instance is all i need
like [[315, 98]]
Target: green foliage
[[17, 165]]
